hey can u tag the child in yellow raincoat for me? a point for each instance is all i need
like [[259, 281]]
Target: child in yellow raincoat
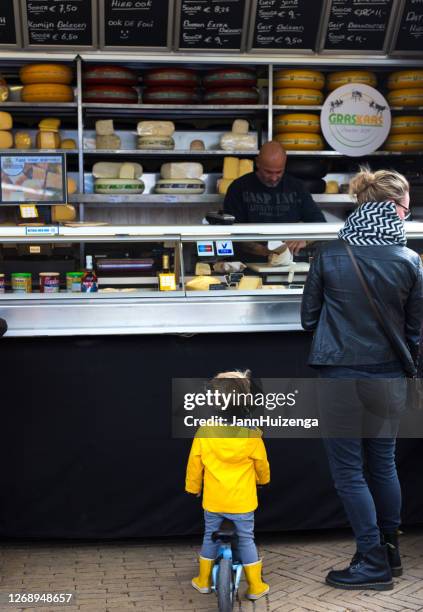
[[227, 471]]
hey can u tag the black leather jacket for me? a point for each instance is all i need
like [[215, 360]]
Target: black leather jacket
[[336, 307]]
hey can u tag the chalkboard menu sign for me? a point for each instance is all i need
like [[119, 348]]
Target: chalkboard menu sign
[[212, 24], [59, 23], [144, 24], [8, 23], [410, 33], [357, 25], [285, 24]]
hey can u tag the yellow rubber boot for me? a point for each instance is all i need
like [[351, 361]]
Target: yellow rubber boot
[[256, 587], [202, 582]]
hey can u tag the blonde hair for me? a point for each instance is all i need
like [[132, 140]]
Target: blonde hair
[[380, 186]]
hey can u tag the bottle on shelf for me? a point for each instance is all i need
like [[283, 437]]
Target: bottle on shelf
[[167, 279], [89, 282]]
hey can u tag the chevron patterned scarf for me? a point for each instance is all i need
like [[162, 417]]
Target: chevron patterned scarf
[[374, 223]]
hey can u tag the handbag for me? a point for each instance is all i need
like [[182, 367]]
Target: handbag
[[415, 382]]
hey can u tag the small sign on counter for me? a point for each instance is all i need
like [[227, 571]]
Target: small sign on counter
[[10, 35]]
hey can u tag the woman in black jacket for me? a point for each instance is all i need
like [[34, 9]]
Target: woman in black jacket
[[349, 343]]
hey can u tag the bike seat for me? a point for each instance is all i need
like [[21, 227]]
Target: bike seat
[[226, 532]]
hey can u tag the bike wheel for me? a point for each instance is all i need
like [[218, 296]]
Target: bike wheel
[[225, 586]]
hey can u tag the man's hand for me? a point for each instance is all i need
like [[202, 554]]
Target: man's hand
[[256, 248], [295, 246]]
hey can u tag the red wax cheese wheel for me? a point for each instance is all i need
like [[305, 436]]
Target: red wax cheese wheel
[[231, 95], [234, 77], [112, 94], [109, 75], [180, 77], [169, 95]]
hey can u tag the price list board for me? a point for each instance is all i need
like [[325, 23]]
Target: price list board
[[9, 24], [358, 26], [212, 25], [141, 24], [59, 24], [285, 25], [409, 37]]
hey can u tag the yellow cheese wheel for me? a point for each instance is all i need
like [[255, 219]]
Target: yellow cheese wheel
[[407, 124], [405, 97], [297, 122], [404, 79], [297, 141], [62, 213], [46, 73], [68, 143], [337, 79], [310, 79], [23, 140], [48, 92], [72, 186], [404, 142], [6, 140], [48, 140], [6, 121], [292, 96]]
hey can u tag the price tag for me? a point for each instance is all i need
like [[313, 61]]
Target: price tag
[[28, 211], [45, 230]]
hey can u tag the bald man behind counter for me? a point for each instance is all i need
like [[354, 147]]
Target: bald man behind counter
[[269, 195]]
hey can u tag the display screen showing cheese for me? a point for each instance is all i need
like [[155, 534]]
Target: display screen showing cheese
[[112, 170], [238, 142], [6, 121], [405, 97], [231, 77], [404, 142], [297, 122], [6, 140], [406, 79], [46, 73], [118, 186], [170, 95], [231, 95], [309, 79], [337, 79], [47, 93], [23, 140], [109, 75], [182, 186], [201, 283], [248, 283], [155, 142], [110, 94], [292, 96], [171, 76], [179, 170], [155, 128], [108, 142], [407, 124], [34, 179], [298, 141]]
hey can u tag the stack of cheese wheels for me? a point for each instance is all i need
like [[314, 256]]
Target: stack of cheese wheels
[[230, 86], [181, 178], [109, 85], [115, 178], [170, 86], [46, 83], [239, 139], [405, 89], [233, 168], [298, 131], [6, 124], [338, 79], [155, 135]]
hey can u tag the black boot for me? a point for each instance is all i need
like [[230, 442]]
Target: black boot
[[391, 539], [368, 570]]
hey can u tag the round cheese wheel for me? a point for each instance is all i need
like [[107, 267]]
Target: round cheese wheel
[[404, 142], [297, 141], [156, 142], [46, 73], [404, 79], [180, 77], [309, 79], [184, 186], [337, 79], [169, 95], [297, 122], [229, 77], [68, 143], [294, 96], [109, 75], [118, 186], [231, 95], [110, 94], [47, 92], [405, 97], [407, 124]]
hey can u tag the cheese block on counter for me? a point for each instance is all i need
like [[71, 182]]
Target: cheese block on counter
[[404, 142], [180, 186], [155, 128], [109, 75], [231, 95], [404, 79], [46, 73], [112, 170], [202, 269], [407, 124], [337, 79], [181, 77], [230, 77], [238, 142], [405, 97], [158, 143], [170, 95], [297, 122], [47, 93], [297, 141], [248, 283], [23, 140], [6, 140], [118, 186], [310, 79], [6, 121], [201, 283], [48, 140], [110, 94], [177, 170], [108, 142], [297, 96]]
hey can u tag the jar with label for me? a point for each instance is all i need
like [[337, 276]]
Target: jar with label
[[2, 284], [22, 282], [73, 281], [49, 282]]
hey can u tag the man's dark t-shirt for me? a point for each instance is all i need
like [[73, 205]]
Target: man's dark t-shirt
[[250, 201]]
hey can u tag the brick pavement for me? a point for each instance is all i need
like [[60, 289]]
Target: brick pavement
[[154, 575]]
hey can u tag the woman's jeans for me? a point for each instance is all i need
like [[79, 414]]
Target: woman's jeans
[[363, 467], [245, 549]]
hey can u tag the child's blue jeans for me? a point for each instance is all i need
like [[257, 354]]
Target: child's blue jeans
[[245, 548]]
